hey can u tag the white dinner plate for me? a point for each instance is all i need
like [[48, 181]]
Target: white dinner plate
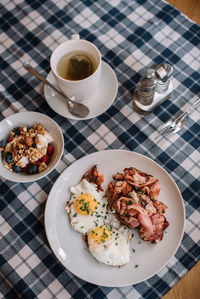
[[148, 258], [102, 99]]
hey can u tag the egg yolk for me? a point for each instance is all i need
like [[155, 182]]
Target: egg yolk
[[86, 204], [100, 235]]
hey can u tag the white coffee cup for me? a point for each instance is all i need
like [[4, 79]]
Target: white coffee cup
[[80, 90]]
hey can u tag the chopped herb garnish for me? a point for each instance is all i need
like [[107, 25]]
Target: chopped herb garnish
[[133, 249], [136, 266], [104, 233], [125, 215], [75, 215]]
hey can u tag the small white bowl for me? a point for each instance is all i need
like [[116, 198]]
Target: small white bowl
[[29, 119]]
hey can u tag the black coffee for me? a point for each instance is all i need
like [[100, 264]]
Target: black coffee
[[76, 65]]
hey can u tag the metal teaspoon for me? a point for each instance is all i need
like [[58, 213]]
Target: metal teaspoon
[[76, 109]]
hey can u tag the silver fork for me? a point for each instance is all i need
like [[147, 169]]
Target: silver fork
[[174, 125]]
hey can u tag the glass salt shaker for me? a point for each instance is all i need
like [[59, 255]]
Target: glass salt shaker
[[163, 73], [153, 89], [146, 87]]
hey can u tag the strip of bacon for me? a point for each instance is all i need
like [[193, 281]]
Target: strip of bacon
[[159, 223], [93, 176], [160, 206], [154, 190], [134, 196], [137, 178]]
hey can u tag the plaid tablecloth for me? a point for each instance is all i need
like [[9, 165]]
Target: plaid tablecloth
[[131, 35]]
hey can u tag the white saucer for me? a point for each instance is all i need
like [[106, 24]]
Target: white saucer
[[103, 99]]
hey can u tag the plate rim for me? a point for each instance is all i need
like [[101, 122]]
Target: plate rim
[[143, 156], [71, 117]]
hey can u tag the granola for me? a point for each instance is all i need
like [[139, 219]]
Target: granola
[[27, 150]]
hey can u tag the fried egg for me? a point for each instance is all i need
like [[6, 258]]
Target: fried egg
[[110, 245], [87, 207]]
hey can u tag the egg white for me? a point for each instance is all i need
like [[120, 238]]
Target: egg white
[[114, 251], [84, 223]]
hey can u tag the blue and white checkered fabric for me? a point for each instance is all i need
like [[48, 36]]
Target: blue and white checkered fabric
[[131, 35]]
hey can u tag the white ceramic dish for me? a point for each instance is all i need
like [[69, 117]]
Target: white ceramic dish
[[71, 250], [102, 100], [29, 119]]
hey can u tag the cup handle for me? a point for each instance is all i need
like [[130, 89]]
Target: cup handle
[[75, 36]]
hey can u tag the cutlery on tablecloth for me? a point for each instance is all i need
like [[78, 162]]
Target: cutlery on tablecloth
[[175, 124]]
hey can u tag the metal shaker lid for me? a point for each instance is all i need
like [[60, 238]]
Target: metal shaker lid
[[163, 71]]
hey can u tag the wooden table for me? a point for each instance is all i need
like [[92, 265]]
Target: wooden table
[[191, 8], [189, 286]]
